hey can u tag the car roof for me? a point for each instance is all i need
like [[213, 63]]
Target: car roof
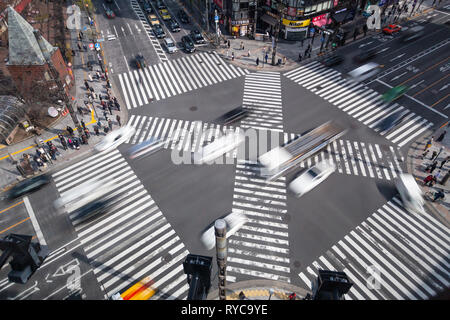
[[168, 40]]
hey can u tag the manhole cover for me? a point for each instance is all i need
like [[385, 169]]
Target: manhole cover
[[297, 264], [193, 108], [167, 258]]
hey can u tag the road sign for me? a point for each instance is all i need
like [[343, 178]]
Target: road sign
[[97, 45], [216, 18], [100, 40], [91, 46]]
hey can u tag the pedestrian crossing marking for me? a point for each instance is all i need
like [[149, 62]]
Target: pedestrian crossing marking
[[358, 101], [130, 240]]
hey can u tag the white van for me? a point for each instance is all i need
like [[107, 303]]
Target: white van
[[410, 193], [364, 72]]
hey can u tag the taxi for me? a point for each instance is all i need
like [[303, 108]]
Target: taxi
[[141, 290], [394, 93], [153, 19], [391, 29], [164, 14]]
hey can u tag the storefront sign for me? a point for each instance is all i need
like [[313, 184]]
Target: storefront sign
[[296, 24], [291, 11], [240, 22], [321, 20], [219, 3], [303, 29], [272, 15]]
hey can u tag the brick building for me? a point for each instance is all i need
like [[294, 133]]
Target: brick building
[[29, 54]]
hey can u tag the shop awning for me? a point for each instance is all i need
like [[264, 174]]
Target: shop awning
[[342, 16], [269, 19]]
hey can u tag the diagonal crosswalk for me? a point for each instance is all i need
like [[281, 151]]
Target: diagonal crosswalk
[[393, 254], [358, 101], [133, 239], [174, 77]]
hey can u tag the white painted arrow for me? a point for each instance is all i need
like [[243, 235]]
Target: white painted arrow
[[397, 57], [400, 75], [382, 50], [416, 84], [444, 87], [448, 106]]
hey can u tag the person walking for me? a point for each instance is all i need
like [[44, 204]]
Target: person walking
[[428, 144], [428, 179], [83, 124], [229, 44], [105, 114], [433, 155], [299, 56], [444, 161], [110, 124], [232, 56], [440, 150], [424, 154], [70, 130], [248, 54], [241, 46], [118, 120], [79, 46], [87, 133], [432, 167], [438, 175], [117, 104], [86, 84], [90, 77], [257, 61], [96, 130], [63, 141], [266, 57], [109, 108]]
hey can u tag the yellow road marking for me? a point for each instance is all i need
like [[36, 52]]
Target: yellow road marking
[[413, 77], [448, 94], [11, 207], [15, 225], [430, 85]]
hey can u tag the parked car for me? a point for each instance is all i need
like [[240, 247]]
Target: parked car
[[394, 93], [160, 5], [197, 36], [173, 25], [183, 16], [365, 55], [159, 31], [309, 179], [391, 29], [333, 60], [164, 14], [140, 62], [413, 33], [153, 19], [27, 186], [147, 7], [109, 13], [170, 45], [188, 44]]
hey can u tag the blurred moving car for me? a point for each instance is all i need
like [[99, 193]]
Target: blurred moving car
[[365, 55], [218, 147], [142, 290], [153, 19], [170, 45], [197, 36], [140, 62], [390, 121], [391, 29], [309, 179], [147, 147], [413, 33], [159, 31], [173, 25], [89, 210], [183, 16], [234, 221], [115, 138], [164, 14], [410, 193], [188, 44], [394, 93], [332, 61], [233, 116], [109, 13], [364, 72], [28, 185]]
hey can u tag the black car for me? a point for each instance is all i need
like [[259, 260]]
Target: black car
[[27, 186], [173, 25], [390, 122], [140, 62], [188, 44], [183, 16], [365, 55], [333, 60], [89, 210], [197, 36], [233, 116], [159, 31], [160, 5], [147, 7]]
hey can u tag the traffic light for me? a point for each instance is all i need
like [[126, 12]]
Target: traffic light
[[331, 285], [198, 271]]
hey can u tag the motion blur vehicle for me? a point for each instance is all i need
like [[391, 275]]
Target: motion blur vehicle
[[391, 29], [89, 210], [164, 14], [140, 62], [159, 31], [173, 25], [364, 72], [183, 16], [333, 60], [115, 138], [142, 290], [234, 221], [153, 19], [232, 116], [188, 44], [365, 55], [27, 186], [394, 93], [390, 121], [312, 177], [218, 147], [413, 33], [170, 45], [197, 36], [410, 193], [109, 13], [147, 147]]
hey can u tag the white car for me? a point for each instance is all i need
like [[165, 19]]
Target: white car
[[410, 193], [364, 72], [234, 222], [115, 138], [309, 179], [218, 147], [146, 148], [170, 45]]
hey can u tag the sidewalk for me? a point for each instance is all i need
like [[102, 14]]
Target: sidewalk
[[260, 290], [9, 173], [416, 165]]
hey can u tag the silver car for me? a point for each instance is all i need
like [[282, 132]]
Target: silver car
[[170, 45]]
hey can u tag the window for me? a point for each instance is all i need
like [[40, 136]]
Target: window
[[235, 6]]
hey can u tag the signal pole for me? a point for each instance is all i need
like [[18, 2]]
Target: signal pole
[[221, 250]]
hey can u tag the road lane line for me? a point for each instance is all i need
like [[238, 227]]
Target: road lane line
[[34, 221]]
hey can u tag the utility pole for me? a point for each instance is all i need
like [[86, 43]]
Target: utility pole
[[275, 42], [255, 19], [207, 14], [220, 228], [56, 78]]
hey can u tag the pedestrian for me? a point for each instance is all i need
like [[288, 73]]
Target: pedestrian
[[425, 153], [110, 124], [429, 143], [432, 167], [99, 123], [96, 130], [79, 46], [440, 150], [257, 61], [229, 44], [83, 124], [241, 46], [70, 130], [105, 130], [266, 57], [433, 155], [63, 141], [105, 114], [84, 47], [299, 56], [87, 133], [284, 60], [292, 296], [438, 195], [90, 77], [438, 175], [444, 161], [86, 85], [232, 56], [84, 139], [91, 89], [118, 120], [80, 111], [109, 108], [427, 180], [73, 53], [108, 84], [248, 55], [117, 105], [98, 75]]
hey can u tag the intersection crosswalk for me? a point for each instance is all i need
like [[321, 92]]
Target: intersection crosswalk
[[132, 240], [174, 77], [369, 160], [393, 254], [358, 101]]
